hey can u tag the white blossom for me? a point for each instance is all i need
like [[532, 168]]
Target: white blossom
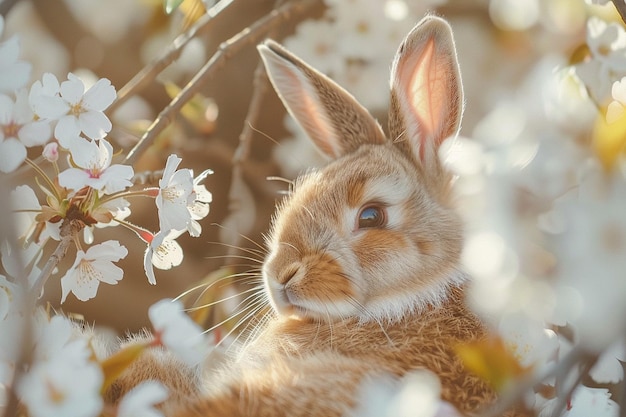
[[75, 109], [14, 74], [178, 332], [163, 252], [94, 169], [182, 199], [607, 44], [92, 267], [62, 387], [18, 130], [141, 400]]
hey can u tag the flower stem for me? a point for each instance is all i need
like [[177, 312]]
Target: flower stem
[[42, 174], [145, 192]]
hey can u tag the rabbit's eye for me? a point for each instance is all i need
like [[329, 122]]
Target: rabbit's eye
[[371, 216]]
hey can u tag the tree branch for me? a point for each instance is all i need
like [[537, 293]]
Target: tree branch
[[154, 68], [620, 5], [227, 49]]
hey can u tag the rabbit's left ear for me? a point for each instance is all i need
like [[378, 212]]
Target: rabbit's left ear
[[426, 91], [330, 116]]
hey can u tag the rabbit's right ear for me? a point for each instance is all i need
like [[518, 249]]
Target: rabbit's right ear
[[426, 91], [330, 116]]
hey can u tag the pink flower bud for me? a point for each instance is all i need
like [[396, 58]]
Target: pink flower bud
[[51, 152]]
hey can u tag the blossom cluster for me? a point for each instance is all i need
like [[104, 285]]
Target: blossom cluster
[[540, 182], [545, 196], [56, 153]]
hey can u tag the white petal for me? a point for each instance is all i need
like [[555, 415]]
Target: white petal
[[117, 178], [111, 251], [167, 255], [73, 89], [12, 154], [147, 265], [170, 167], [36, 133], [85, 153], [9, 51], [99, 96], [6, 109], [140, 401], [94, 124], [73, 178], [66, 129]]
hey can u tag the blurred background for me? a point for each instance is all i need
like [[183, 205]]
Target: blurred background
[[509, 52]]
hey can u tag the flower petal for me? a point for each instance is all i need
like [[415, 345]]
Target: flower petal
[[99, 96], [12, 154], [94, 124], [73, 89]]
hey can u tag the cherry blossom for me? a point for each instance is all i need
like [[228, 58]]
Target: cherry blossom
[[585, 402], [51, 152], [92, 267], [163, 252], [590, 253], [417, 394], [181, 199], [62, 387], [13, 73], [176, 331], [528, 340], [175, 195], [94, 169], [607, 44], [199, 209], [141, 400], [77, 110], [18, 130]]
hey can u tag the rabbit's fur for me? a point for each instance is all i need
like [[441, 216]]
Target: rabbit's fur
[[355, 298]]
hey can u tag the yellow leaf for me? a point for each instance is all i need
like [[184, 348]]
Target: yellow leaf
[[114, 365], [193, 10], [609, 140], [491, 360]]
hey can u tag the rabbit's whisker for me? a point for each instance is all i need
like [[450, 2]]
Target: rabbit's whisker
[[261, 247]]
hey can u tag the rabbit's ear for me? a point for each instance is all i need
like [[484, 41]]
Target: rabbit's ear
[[426, 91], [330, 116]]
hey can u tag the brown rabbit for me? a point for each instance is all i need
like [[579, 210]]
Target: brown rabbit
[[363, 265]]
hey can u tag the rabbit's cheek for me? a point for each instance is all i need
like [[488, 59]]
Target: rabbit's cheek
[[375, 246]]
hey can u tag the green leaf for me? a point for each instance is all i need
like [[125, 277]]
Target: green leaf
[[171, 5]]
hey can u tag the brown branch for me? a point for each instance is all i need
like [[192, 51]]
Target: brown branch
[[69, 229], [620, 5], [226, 50], [154, 68]]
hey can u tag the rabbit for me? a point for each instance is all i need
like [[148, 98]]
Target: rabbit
[[363, 272]]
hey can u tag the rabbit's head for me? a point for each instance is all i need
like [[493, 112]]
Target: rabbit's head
[[372, 234]]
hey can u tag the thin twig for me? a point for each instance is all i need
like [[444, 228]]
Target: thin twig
[[620, 5], [68, 232], [226, 50], [154, 68], [245, 141]]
